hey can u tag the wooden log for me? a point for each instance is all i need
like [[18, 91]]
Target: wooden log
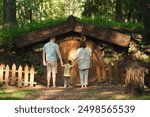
[[42, 34], [13, 75], [106, 35], [98, 32], [110, 72], [32, 72], [7, 75], [19, 84], [26, 75]]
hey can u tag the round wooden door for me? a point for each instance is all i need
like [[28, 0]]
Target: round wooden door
[[67, 48]]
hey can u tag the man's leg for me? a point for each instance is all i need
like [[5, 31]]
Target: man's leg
[[48, 75], [54, 79], [54, 71]]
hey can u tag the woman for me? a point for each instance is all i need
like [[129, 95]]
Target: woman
[[83, 56]]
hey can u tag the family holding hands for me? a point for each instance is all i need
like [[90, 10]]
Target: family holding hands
[[82, 55]]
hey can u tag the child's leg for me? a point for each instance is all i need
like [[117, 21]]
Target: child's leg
[[65, 82], [68, 81]]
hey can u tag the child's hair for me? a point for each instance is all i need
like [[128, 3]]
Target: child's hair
[[69, 61]]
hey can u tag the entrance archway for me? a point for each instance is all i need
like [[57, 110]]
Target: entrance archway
[[68, 47]]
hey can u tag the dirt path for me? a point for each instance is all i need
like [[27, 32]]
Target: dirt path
[[99, 92], [103, 91]]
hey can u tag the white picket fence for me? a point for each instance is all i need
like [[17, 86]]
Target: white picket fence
[[19, 77]]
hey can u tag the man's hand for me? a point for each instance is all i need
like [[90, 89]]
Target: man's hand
[[61, 62], [44, 63]]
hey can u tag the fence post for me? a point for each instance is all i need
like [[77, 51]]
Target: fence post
[[122, 75], [116, 71], [110, 72], [19, 76], [98, 73], [1, 74], [32, 71], [103, 72], [13, 75], [26, 75], [7, 75]]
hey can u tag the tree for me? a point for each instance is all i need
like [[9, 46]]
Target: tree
[[145, 5], [1, 12], [119, 11], [9, 12]]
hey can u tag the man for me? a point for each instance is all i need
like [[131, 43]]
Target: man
[[50, 52]]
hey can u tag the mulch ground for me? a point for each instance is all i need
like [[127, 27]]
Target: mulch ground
[[103, 91]]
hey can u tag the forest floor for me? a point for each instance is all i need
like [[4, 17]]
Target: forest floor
[[99, 92]]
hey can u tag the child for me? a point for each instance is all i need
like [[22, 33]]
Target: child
[[67, 75]]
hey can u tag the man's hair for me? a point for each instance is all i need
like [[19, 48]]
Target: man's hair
[[53, 38]]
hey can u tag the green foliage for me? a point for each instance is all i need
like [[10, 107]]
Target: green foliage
[[8, 35], [31, 59], [1, 12], [7, 38]]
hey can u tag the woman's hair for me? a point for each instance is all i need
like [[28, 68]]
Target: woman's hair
[[70, 62], [82, 44]]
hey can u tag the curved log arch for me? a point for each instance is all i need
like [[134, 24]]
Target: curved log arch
[[67, 47]]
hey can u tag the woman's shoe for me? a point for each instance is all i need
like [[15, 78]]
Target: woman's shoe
[[65, 86]]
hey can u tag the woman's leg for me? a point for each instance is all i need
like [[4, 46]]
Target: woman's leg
[[86, 73], [81, 73]]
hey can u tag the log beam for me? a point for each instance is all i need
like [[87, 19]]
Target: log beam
[[70, 25]]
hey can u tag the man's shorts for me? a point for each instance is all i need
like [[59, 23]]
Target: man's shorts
[[52, 67]]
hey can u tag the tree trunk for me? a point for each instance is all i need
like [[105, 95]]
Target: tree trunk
[[119, 14], [145, 5], [135, 78], [9, 12]]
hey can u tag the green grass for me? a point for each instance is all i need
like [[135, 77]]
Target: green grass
[[15, 94], [110, 23], [8, 35]]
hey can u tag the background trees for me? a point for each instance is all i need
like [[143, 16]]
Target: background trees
[[21, 12], [9, 12], [145, 8]]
